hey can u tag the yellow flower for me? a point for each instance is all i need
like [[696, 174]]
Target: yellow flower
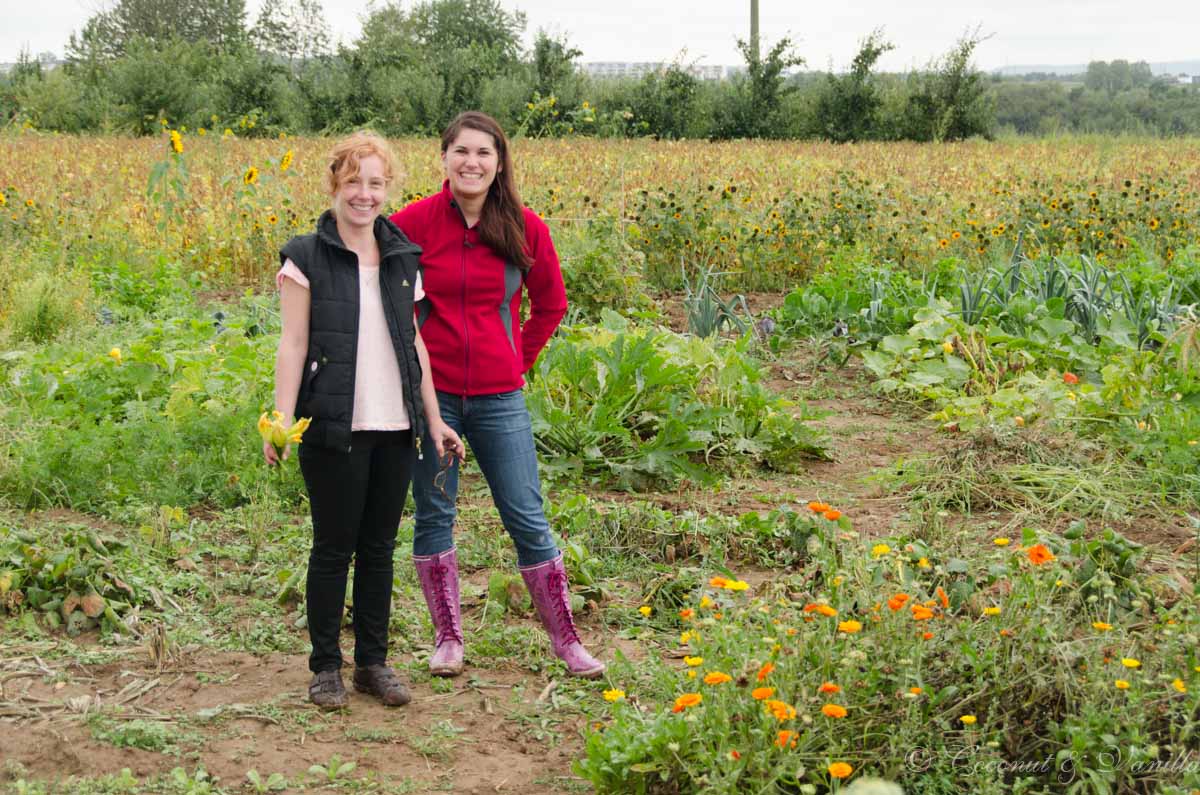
[[1179, 685], [614, 695], [693, 661], [29, 202], [202, 132], [1001, 542], [286, 162], [780, 709], [3, 199], [923, 563], [115, 355], [705, 602], [228, 133], [948, 346], [1019, 421], [880, 549], [1101, 626], [686, 637], [176, 142], [1122, 684], [968, 720], [645, 610], [849, 627], [1130, 662], [991, 611], [251, 176], [737, 585]]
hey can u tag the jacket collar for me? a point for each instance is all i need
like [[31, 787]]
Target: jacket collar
[[389, 237]]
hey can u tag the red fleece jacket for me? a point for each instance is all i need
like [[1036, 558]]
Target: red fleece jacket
[[470, 316]]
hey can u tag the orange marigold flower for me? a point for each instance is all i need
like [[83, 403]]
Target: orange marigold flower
[[765, 671], [840, 770], [921, 613], [781, 710], [762, 693], [786, 739], [818, 507], [927, 636], [734, 755], [897, 601], [833, 711], [916, 691], [833, 514], [1039, 554], [719, 582], [686, 613], [717, 678], [1070, 378], [945, 600], [829, 687], [687, 700]]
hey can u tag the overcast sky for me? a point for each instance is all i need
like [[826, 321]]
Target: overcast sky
[[1023, 31]]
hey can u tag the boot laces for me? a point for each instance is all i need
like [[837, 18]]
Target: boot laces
[[446, 629], [557, 584]]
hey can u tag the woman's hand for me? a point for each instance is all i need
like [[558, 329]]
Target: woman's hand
[[272, 458], [445, 440]]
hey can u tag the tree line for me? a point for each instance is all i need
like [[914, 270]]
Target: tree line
[[204, 64]]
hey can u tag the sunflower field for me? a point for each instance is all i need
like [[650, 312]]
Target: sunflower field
[[876, 469]]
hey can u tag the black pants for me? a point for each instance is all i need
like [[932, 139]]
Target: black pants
[[357, 498]]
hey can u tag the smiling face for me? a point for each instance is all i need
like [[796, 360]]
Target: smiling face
[[359, 197], [471, 163]]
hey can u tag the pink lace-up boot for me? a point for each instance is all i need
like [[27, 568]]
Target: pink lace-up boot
[[547, 584], [439, 582]]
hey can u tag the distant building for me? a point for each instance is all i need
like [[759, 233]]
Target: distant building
[[639, 69]]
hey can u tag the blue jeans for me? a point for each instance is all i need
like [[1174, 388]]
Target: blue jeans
[[501, 438]]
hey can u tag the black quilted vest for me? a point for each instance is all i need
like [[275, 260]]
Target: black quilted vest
[[327, 388]]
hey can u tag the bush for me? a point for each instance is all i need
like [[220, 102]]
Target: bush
[[46, 306]]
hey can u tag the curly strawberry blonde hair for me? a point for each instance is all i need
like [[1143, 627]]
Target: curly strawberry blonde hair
[[348, 152]]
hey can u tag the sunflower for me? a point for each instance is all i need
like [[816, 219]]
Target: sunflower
[[251, 176]]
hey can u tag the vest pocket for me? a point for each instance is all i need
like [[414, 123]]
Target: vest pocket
[[313, 366]]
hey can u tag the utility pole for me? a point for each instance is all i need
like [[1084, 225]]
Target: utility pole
[[754, 28]]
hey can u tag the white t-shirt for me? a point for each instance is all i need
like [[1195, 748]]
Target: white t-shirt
[[378, 399]]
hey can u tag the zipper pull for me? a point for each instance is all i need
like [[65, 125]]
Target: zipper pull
[[420, 457]]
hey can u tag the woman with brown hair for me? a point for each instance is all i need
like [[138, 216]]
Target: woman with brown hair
[[480, 249]]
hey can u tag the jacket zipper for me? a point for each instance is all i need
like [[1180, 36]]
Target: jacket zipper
[[353, 370], [406, 383], [466, 326]]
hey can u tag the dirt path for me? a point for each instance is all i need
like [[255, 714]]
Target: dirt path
[[492, 730]]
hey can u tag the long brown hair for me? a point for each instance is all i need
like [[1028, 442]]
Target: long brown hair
[[502, 221]]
